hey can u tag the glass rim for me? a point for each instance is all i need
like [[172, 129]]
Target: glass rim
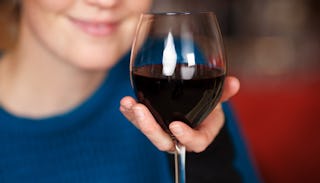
[[177, 13]]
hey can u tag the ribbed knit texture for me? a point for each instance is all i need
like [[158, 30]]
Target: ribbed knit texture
[[92, 143]]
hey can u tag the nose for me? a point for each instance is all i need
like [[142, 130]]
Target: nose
[[103, 3]]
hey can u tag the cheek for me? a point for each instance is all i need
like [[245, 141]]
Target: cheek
[[41, 18], [42, 14], [140, 6], [50, 5], [135, 8]]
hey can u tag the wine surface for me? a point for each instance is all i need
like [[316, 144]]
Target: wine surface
[[188, 95]]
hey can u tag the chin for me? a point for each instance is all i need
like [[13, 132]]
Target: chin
[[92, 63]]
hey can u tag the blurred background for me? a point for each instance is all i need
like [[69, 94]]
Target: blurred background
[[273, 47]]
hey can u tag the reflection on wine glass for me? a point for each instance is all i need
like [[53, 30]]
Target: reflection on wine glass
[[177, 70]]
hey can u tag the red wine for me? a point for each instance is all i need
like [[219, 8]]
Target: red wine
[[178, 97]]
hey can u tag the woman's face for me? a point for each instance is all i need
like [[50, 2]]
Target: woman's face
[[90, 34]]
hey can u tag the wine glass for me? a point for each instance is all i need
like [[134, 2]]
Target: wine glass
[[177, 70]]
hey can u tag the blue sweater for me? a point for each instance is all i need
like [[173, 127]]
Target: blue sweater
[[92, 143]]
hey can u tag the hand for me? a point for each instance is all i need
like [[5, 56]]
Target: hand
[[196, 140]]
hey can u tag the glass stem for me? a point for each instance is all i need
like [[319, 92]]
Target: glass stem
[[179, 161]]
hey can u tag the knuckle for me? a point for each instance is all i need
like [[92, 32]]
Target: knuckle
[[148, 130]]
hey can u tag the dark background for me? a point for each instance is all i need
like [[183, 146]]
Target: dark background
[[273, 46]]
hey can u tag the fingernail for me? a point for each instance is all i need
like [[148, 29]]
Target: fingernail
[[176, 130], [127, 106]]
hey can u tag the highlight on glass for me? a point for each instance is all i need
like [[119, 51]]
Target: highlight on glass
[[177, 70]]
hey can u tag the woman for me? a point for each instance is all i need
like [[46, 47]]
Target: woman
[[59, 88]]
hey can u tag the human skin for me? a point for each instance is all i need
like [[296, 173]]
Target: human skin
[[63, 52]]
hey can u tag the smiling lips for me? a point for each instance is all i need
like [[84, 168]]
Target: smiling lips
[[95, 28]]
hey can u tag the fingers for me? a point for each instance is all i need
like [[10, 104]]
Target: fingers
[[198, 139], [231, 87], [140, 116]]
